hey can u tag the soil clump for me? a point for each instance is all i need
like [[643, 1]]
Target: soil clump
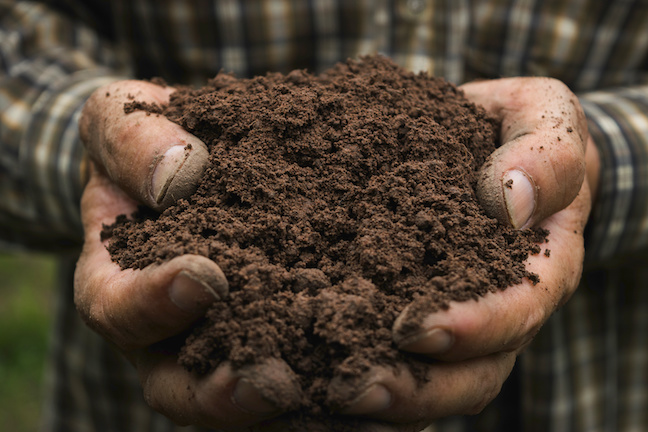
[[331, 203]]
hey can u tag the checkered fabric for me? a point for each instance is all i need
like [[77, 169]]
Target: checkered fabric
[[587, 370]]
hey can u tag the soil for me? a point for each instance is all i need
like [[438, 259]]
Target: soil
[[331, 203]]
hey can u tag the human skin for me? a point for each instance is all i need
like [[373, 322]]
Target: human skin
[[547, 153]]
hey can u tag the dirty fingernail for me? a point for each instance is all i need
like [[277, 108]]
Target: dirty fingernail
[[375, 398], [167, 167], [248, 399], [519, 196], [190, 294], [434, 341]]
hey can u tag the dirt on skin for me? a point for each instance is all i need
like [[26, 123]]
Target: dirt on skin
[[331, 203]]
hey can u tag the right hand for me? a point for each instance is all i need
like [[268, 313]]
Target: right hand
[[473, 344], [140, 158]]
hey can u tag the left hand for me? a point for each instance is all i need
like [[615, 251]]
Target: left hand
[[554, 165], [147, 159]]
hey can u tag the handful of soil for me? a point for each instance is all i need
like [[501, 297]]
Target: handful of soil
[[331, 203]]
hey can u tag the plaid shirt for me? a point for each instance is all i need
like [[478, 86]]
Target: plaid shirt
[[588, 367]]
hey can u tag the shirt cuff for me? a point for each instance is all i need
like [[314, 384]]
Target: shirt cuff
[[43, 206]]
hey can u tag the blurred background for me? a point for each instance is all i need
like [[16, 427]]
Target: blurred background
[[27, 284]]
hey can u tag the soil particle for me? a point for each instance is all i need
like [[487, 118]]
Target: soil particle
[[331, 203]]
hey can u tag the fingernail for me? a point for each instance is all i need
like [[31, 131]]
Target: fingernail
[[375, 398], [190, 294], [519, 195], [434, 341], [248, 399], [166, 169]]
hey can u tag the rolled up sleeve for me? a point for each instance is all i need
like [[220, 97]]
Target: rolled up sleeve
[[49, 65], [618, 124]]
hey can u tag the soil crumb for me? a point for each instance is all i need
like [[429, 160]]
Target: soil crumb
[[331, 203]]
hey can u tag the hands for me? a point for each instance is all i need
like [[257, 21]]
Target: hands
[[148, 159], [143, 158], [553, 165]]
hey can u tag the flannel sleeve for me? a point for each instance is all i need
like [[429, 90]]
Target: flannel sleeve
[[618, 124], [49, 65]]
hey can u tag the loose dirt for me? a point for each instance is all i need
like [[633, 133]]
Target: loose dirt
[[331, 203]]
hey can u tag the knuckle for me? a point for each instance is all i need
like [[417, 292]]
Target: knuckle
[[552, 85], [126, 132], [162, 394], [103, 322], [92, 313], [491, 388], [150, 396], [533, 321], [85, 303], [491, 381], [98, 316]]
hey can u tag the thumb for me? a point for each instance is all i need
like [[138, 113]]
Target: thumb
[[152, 159], [540, 167]]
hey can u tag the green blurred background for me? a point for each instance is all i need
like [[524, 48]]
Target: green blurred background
[[26, 315]]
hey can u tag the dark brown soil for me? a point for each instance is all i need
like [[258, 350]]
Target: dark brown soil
[[331, 203]]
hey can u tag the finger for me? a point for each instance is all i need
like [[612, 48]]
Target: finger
[[506, 320], [134, 308], [151, 158], [224, 398], [540, 166], [395, 395]]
